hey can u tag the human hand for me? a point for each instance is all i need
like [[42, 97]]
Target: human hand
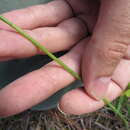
[[109, 46], [105, 66], [56, 30], [40, 84]]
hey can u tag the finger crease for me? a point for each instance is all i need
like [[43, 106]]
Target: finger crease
[[117, 84], [70, 7], [87, 28]]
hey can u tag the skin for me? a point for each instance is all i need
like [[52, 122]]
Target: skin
[[68, 30]]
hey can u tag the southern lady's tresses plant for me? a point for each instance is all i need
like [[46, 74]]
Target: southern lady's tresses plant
[[116, 110]]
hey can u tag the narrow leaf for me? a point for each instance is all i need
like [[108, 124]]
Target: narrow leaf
[[127, 93]]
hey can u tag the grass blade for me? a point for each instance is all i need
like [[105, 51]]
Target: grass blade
[[113, 108], [39, 46]]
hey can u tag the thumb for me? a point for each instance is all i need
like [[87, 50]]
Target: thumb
[[107, 46]]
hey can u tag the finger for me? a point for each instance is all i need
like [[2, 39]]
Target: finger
[[40, 15], [127, 55], [86, 103], [39, 85], [87, 10], [55, 39], [120, 79], [107, 46], [121, 74]]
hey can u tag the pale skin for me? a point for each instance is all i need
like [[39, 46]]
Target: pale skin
[[59, 28]]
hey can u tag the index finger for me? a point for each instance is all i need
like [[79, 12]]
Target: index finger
[[39, 85], [39, 15]]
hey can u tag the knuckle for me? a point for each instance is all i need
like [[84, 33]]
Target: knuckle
[[33, 11]]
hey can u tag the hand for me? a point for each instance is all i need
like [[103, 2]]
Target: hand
[[54, 26], [106, 59], [57, 28], [108, 47]]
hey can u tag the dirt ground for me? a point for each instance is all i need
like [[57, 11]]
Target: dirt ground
[[103, 119]]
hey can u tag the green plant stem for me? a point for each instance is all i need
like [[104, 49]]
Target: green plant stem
[[121, 100], [107, 102], [38, 45]]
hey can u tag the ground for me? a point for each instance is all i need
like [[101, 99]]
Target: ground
[[103, 119]]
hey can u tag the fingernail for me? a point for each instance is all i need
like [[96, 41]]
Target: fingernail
[[99, 87]]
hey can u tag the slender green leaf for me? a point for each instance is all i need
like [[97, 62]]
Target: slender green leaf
[[39, 46], [128, 108], [127, 93], [107, 102]]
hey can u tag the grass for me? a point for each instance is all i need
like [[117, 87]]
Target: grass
[[116, 110]]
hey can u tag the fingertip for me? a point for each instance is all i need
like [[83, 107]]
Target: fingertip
[[77, 102], [98, 88]]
